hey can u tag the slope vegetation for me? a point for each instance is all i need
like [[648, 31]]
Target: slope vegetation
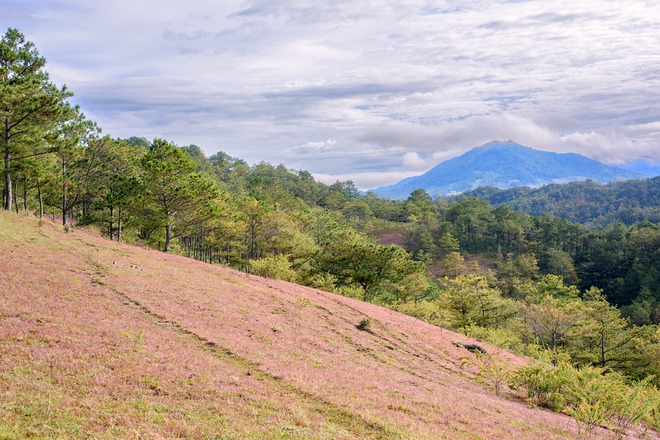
[[102, 340]]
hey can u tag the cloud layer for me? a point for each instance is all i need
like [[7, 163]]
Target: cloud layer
[[369, 91]]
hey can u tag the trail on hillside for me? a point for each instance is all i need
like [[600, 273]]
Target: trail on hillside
[[347, 420]]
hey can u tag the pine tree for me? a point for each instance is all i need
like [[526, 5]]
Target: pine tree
[[30, 105]]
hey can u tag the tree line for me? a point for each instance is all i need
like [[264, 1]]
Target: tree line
[[588, 202]]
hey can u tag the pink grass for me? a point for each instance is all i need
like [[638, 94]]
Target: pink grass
[[125, 342]]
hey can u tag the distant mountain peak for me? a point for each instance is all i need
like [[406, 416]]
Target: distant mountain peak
[[504, 164], [498, 143]]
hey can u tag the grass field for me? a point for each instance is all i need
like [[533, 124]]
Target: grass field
[[104, 340]]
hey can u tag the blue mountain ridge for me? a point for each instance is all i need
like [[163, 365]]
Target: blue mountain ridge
[[646, 169], [505, 165]]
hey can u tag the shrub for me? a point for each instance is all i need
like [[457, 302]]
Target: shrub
[[490, 368], [432, 312], [542, 385], [640, 401], [591, 396], [275, 266], [365, 324]]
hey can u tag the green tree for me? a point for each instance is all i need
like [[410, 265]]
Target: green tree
[[30, 105], [72, 139], [274, 266], [452, 264], [608, 341], [419, 205], [553, 311], [378, 268], [473, 302], [356, 261], [472, 219], [179, 198], [447, 244], [118, 184], [559, 262]]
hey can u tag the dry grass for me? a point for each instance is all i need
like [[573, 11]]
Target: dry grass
[[100, 340]]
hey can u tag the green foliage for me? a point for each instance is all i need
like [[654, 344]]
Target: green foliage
[[625, 202], [559, 262], [491, 368], [638, 402], [644, 309], [274, 266], [608, 341], [381, 272], [432, 312], [592, 397], [506, 338], [520, 267], [176, 197], [472, 302], [419, 205], [541, 384], [118, 185], [553, 311], [31, 109], [452, 264]]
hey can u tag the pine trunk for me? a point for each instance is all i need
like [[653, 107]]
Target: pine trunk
[[111, 229], [41, 200], [64, 199], [168, 237], [8, 198], [25, 194], [119, 224]]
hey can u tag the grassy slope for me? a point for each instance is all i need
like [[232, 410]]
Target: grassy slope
[[101, 340]]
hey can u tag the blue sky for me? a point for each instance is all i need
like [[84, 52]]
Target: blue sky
[[372, 91]]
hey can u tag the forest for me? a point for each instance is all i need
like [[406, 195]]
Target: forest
[[574, 294], [587, 202]]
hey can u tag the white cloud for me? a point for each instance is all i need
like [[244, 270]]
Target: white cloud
[[311, 147], [414, 161], [365, 90], [367, 179]]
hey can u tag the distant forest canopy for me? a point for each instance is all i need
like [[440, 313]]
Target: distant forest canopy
[[587, 202], [494, 272]]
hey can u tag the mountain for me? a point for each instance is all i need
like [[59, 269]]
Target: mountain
[[107, 340], [504, 165], [643, 168]]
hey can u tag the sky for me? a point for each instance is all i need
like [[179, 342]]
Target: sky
[[365, 90]]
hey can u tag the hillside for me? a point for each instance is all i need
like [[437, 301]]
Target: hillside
[[111, 341], [589, 202], [504, 165]]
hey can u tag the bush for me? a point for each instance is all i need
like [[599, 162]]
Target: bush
[[640, 401], [365, 324], [542, 385], [592, 397], [275, 266], [428, 311], [490, 368]]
